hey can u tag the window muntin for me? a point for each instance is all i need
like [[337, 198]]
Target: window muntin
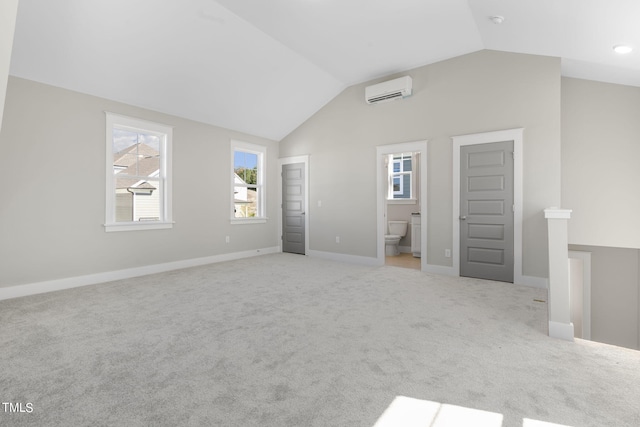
[[400, 176], [248, 194], [138, 181]]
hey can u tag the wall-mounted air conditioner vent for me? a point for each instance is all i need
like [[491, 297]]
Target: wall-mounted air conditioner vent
[[389, 90]]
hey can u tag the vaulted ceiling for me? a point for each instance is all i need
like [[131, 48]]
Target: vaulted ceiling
[[265, 66]]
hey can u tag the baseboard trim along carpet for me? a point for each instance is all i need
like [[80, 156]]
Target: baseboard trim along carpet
[[440, 270], [563, 331], [109, 276], [531, 281], [352, 259]]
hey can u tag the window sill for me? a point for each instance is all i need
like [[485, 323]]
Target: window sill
[[137, 226], [402, 201], [261, 220]]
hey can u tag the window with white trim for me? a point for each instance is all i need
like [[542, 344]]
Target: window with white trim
[[247, 182], [401, 180], [138, 194]]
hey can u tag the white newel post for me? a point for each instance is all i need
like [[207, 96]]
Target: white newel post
[[560, 325]]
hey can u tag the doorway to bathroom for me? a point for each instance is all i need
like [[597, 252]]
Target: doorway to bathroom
[[401, 204]]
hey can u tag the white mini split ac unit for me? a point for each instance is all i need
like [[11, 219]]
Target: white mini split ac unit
[[389, 90]]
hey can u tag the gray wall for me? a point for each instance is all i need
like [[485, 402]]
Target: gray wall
[[615, 281], [601, 152], [52, 166], [479, 92], [8, 13]]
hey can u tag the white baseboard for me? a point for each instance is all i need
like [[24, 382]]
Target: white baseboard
[[109, 276], [352, 259], [532, 281], [439, 269], [563, 331]]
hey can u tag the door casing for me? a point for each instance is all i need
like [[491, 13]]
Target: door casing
[[515, 135]]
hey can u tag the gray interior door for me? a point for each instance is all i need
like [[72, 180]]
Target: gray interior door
[[486, 211], [293, 214]]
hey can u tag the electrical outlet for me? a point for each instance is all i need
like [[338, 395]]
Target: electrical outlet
[[337, 239], [226, 239], [447, 253]]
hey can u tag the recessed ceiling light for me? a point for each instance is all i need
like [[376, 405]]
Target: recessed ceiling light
[[622, 49], [497, 19]]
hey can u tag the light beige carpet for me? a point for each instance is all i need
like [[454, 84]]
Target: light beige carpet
[[287, 340]]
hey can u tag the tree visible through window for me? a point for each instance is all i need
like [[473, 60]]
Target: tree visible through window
[[248, 197]]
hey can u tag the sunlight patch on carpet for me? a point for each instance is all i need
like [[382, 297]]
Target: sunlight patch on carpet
[[409, 412]]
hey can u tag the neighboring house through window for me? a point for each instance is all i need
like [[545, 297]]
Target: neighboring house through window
[[248, 189], [400, 168], [138, 174]]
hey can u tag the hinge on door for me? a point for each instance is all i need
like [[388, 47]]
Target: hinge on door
[[513, 154], [513, 208]]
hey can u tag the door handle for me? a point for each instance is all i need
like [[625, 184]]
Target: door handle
[[462, 217], [302, 213]]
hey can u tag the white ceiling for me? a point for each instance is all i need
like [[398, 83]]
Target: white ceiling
[[263, 67]]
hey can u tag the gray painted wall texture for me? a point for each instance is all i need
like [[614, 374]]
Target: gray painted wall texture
[[52, 166], [600, 152], [8, 13], [479, 92], [600, 175], [614, 295]]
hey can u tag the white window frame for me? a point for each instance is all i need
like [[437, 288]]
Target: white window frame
[[261, 152], [391, 174], [165, 133]]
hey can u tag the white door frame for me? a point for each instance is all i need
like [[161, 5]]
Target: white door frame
[[287, 161], [515, 135], [383, 150]]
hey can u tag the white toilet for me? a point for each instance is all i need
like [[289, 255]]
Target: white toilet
[[397, 230]]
